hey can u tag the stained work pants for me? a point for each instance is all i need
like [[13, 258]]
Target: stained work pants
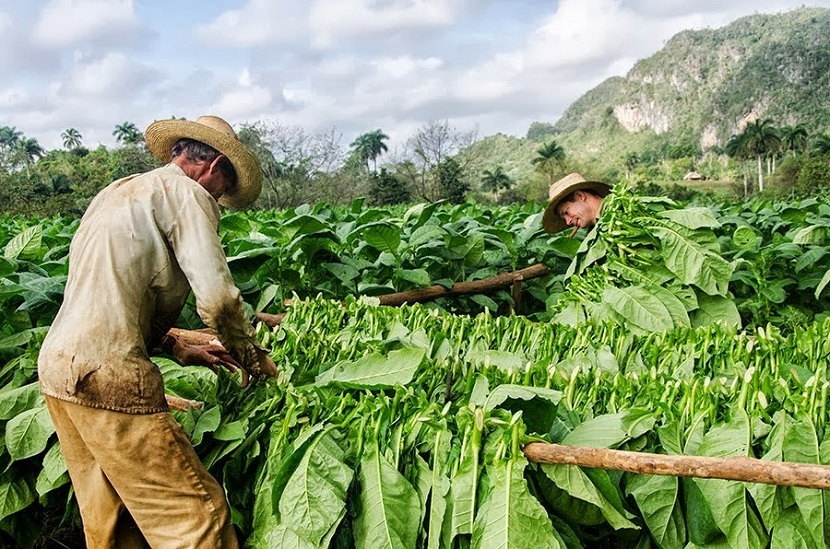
[[141, 468]]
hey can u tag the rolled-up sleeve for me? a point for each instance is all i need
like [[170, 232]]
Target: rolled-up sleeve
[[198, 250]]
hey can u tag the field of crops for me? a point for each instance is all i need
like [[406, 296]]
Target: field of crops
[[674, 329]]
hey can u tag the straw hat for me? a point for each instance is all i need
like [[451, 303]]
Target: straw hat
[[571, 183], [161, 135]]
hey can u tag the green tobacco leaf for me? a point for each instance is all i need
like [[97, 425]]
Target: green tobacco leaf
[[767, 496], [715, 309], [25, 245], [801, 445], [53, 473], [439, 489], [577, 484], [791, 532], [813, 234], [511, 516], [375, 370], [389, 507], [537, 404], [207, 422], [314, 500], [692, 263], [728, 499], [658, 500], [419, 277], [821, 285], [16, 401], [15, 493], [383, 237], [640, 308], [693, 218], [28, 433], [605, 431]]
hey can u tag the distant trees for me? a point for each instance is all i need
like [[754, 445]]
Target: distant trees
[[549, 158], [495, 180], [385, 188], [369, 146], [71, 138], [127, 133]]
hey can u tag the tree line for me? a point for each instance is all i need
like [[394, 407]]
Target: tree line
[[438, 162]]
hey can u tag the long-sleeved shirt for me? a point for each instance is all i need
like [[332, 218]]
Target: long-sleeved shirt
[[144, 242]]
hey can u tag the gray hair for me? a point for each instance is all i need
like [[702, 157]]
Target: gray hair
[[199, 152]]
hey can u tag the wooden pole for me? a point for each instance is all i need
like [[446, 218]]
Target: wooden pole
[[745, 469]]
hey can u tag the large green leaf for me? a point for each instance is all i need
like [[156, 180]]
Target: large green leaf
[[314, 500], [383, 237], [577, 484], [640, 308], [511, 517], [801, 445], [693, 218], [727, 500], [25, 245], [53, 473], [692, 263], [389, 506], [28, 433], [658, 500], [715, 309], [375, 370], [16, 401], [15, 493]]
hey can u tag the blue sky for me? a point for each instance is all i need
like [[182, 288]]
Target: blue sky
[[342, 66]]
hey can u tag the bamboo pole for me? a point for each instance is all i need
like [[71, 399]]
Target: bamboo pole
[[745, 469]]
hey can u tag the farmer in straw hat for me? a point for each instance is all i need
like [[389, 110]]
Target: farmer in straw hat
[[144, 242], [574, 202]]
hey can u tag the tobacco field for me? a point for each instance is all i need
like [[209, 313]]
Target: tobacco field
[[685, 329]]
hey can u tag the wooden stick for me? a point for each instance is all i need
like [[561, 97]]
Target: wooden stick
[[781, 473], [182, 404]]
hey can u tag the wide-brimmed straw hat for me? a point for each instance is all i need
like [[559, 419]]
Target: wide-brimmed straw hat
[[571, 183], [161, 135]]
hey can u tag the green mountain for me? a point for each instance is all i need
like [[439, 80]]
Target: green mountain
[[702, 87]]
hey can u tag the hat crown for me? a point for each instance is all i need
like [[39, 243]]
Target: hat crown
[[565, 182], [217, 124]]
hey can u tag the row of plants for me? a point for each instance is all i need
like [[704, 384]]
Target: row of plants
[[403, 427]]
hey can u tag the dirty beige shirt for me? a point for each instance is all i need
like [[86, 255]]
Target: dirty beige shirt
[[142, 244]]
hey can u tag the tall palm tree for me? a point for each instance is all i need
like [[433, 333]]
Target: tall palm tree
[[9, 136], [369, 146], [737, 149], [821, 144], [794, 138], [548, 157], [28, 149], [127, 133], [761, 140], [71, 138], [495, 180]]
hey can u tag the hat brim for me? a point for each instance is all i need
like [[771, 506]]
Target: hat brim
[[551, 221], [163, 134]]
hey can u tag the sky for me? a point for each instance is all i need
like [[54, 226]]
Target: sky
[[342, 66]]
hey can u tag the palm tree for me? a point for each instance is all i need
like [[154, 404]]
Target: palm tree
[[821, 144], [549, 157], [71, 138], [369, 146], [127, 133], [631, 160], [495, 180], [737, 149], [761, 140], [794, 138], [28, 149], [9, 136]]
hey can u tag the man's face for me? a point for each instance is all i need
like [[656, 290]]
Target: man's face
[[578, 211]]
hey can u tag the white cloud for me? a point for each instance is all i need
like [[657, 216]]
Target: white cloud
[[110, 77], [244, 99], [64, 23], [334, 21], [14, 97], [259, 22]]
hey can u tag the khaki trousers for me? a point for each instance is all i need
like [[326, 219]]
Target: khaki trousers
[[139, 470]]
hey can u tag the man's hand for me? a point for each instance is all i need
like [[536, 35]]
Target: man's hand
[[213, 355], [264, 368]]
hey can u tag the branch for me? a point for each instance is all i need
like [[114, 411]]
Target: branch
[[745, 469]]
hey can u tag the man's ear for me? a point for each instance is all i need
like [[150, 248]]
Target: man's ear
[[580, 196]]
